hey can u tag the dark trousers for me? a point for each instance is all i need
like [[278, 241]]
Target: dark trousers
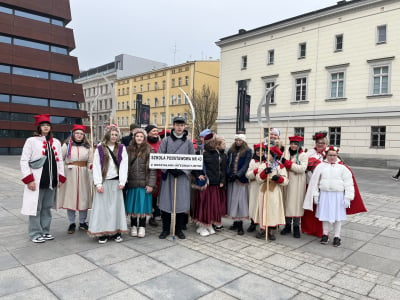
[[166, 221]]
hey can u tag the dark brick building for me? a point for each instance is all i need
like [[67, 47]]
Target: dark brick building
[[36, 70]]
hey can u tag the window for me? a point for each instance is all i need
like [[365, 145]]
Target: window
[[148, 101], [6, 10], [380, 80], [141, 88], [59, 50], [244, 62], [155, 102], [31, 16], [268, 85], [155, 118], [179, 99], [148, 87], [339, 42], [57, 22], [123, 91], [334, 136], [271, 57], [118, 121], [300, 83], [186, 80], [185, 115], [163, 100], [336, 85], [5, 69], [30, 73], [171, 119], [162, 118], [30, 44], [118, 106], [155, 86], [127, 121], [5, 39], [164, 84], [179, 81], [173, 82], [4, 98], [63, 104], [61, 77], [122, 105], [127, 90], [172, 100], [100, 104], [134, 89], [378, 134], [381, 34], [100, 118], [302, 50]]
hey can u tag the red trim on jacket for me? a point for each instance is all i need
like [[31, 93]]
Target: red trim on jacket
[[28, 179], [263, 176], [280, 180], [288, 164], [255, 171]]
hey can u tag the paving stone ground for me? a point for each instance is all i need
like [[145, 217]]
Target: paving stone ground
[[221, 266]]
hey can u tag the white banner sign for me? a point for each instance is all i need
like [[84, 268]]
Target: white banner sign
[[176, 161]]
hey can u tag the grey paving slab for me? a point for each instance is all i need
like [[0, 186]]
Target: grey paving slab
[[213, 272], [362, 227], [373, 262], [394, 234], [256, 252], [90, 285], [109, 254], [217, 295], [383, 292], [137, 269], [351, 283], [356, 234], [40, 252], [315, 272], [16, 280], [231, 244], [148, 244], [129, 293], [289, 240], [386, 241], [177, 256], [329, 251], [37, 293], [381, 251], [304, 296], [62, 267], [385, 213], [173, 285], [283, 261], [7, 261], [255, 287]]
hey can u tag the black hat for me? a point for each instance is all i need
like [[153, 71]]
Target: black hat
[[149, 128], [179, 119], [133, 126]]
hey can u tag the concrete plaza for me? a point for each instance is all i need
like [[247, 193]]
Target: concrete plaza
[[221, 266]]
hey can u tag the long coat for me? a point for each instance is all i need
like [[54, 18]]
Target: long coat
[[173, 145], [75, 194], [32, 150], [295, 191], [270, 210], [254, 187]]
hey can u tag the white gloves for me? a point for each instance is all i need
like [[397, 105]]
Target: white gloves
[[346, 203], [316, 199]]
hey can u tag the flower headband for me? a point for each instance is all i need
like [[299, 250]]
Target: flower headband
[[332, 148]]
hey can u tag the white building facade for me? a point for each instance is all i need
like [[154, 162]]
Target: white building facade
[[338, 70]]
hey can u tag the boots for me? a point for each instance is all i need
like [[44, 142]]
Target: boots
[[240, 228], [271, 235], [252, 226], [260, 234], [296, 232], [287, 229], [234, 226]]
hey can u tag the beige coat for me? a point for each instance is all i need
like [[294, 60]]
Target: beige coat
[[254, 188], [295, 191], [75, 193], [270, 212]]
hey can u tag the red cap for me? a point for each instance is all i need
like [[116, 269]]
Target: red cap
[[79, 127], [43, 118], [275, 150], [257, 146], [319, 135], [296, 138]]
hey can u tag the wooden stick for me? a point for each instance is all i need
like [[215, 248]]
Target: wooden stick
[[174, 212], [267, 163]]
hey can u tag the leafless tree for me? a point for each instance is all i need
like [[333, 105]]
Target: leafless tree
[[205, 104]]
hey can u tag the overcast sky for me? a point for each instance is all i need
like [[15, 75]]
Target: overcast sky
[[170, 31]]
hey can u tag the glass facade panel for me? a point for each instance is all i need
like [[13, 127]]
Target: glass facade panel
[[30, 72], [30, 44], [63, 104], [32, 16], [61, 77], [4, 98], [59, 50], [5, 39], [5, 69], [29, 100], [5, 10], [57, 22]]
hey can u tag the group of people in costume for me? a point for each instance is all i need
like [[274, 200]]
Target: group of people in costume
[[267, 185]]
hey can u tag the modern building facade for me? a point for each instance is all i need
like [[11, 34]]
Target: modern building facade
[[337, 70], [99, 92], [161, 90], [36, 70]]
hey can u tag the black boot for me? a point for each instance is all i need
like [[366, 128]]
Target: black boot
[[296, 232], [287, 229], [252, 226], [234, 226], [240, 228], [271, 235], [260, 234]]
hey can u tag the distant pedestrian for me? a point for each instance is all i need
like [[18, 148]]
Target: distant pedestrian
[[239, 156], [141, 182], [127, 139], [75, 194], [110, 170], [42, 169], [221, 146]]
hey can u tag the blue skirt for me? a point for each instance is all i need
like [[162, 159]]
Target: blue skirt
[[138, 202]]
